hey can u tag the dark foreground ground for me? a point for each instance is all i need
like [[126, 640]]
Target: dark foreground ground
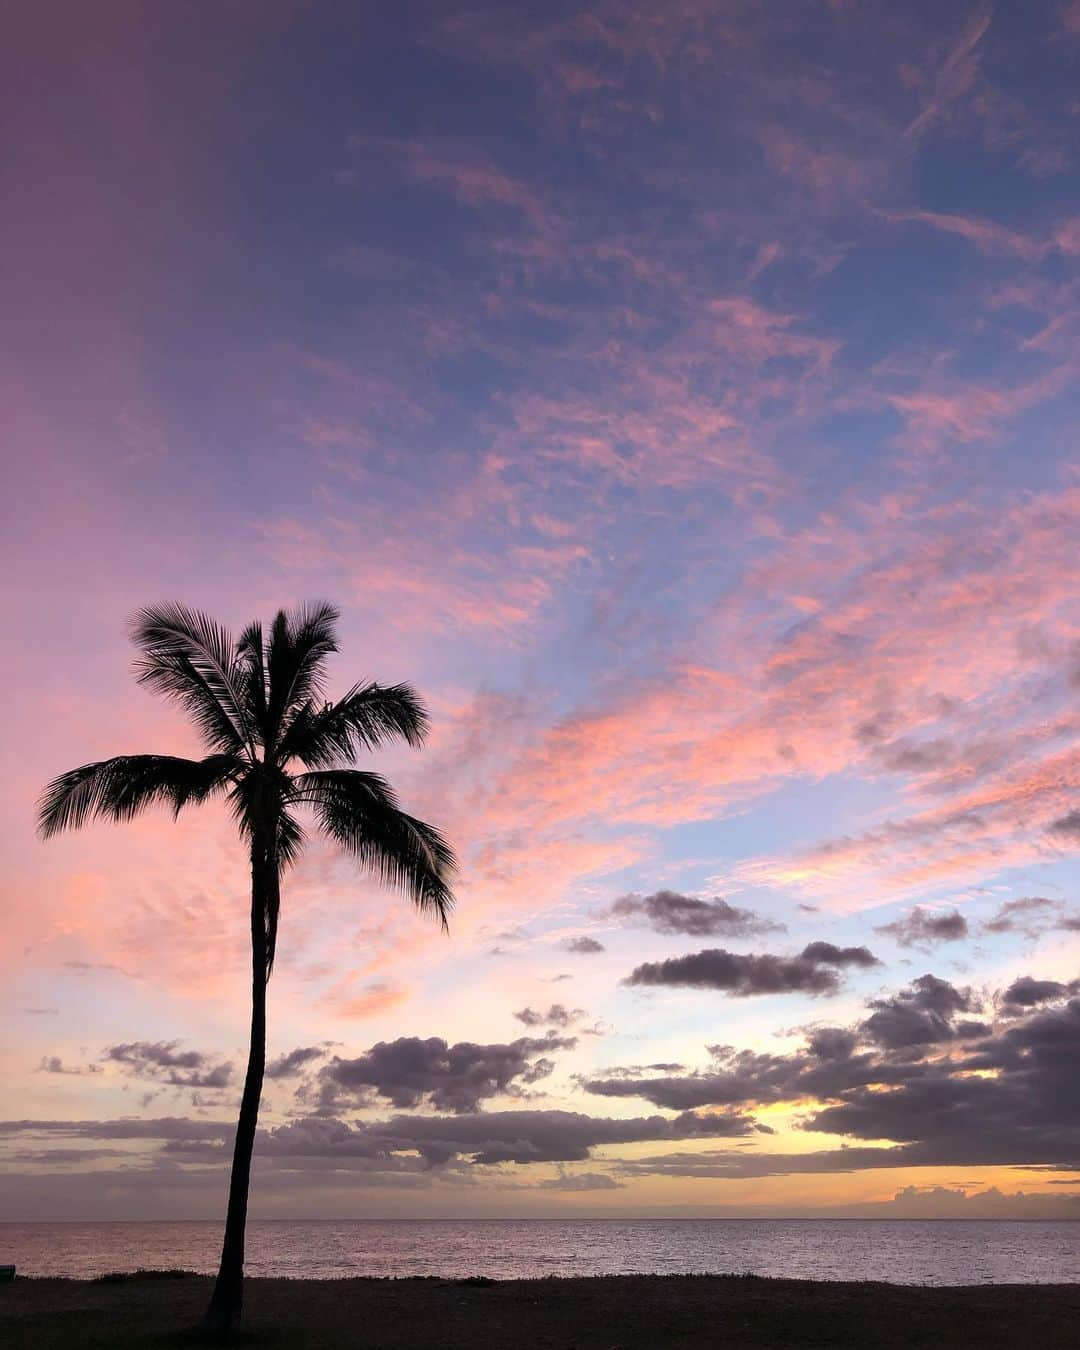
[[612, 1313]]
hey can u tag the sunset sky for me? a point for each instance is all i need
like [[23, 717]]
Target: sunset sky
[[682, 395]]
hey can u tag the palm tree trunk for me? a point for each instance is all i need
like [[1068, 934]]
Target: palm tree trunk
[[227, 1298]]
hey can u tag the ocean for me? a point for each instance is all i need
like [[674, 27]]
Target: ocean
[[906, 1251]]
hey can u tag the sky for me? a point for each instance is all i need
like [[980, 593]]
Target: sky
[[681, 394]]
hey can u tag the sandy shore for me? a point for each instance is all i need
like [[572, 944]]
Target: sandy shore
[[610, 1313]]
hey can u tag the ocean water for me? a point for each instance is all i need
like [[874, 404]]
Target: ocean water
[[901, 1252]]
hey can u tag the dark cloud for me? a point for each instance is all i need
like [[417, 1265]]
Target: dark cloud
[[566, 1136], [917, 1072], [1011, 1097], [54, 1064], [946, 1090], [827, 954], [831, 1043], [1030, 915], [162, 1062], [410, 1071], [912, 756], [1027, 992], [1067, 826], [42, 1012], [923, 1014], [748, 1078], [811, 972], [733, 1164], [488, 1137], [287, 1066], [670, 912], [582, 946], [926, 928], [556, 1016], [728, 1164], [581, 1181], [402, 1143], [834, 1060], [60, 1157], [949, 760], [126, 1127]]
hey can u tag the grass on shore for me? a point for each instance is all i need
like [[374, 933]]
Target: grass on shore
[[628, 1312]]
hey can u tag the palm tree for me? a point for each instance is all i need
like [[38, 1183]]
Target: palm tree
[[274, 746]]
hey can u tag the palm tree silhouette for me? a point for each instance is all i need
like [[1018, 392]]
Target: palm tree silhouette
[[259, 706]]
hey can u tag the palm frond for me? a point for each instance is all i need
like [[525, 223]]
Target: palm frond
[[119, 788], [361, 812], [296, 657], [190, 659], [367, 717], [251, 655], [290, 838]]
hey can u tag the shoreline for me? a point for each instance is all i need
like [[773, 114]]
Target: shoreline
[[615, 1312], [553, 1219]]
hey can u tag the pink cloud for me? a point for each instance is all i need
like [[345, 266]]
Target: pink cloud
[[830, 693], [990, 237], [1001, 825], [942, 411], [698, 407], [1067, 236], [471, 176], [987, 235], [356, 1003], [832, 176], [953, 73], [965, 415]]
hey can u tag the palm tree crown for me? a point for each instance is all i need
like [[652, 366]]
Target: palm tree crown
[[275, 745]]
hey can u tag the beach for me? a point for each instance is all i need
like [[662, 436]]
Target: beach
[[627, 1312]]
